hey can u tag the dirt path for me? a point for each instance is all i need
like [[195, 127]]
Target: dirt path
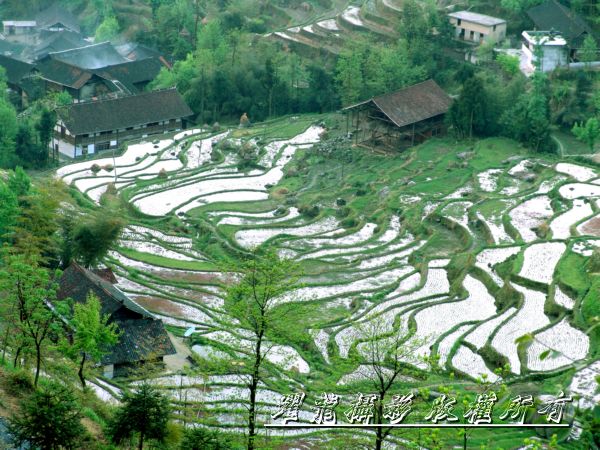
[[178, 361]]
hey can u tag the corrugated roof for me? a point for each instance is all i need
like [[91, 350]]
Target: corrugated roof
[[412, 104], [473, 17], [551, 15], [123, 112]]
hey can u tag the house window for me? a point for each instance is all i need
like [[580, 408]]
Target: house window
[[153, 124], [494, 28], [103, 146], [472, 35], [128, 128], [481, 36], [459, 22]]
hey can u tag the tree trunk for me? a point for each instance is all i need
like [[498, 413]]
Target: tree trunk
[[253, 388], [141, 444], [80, 373], [465, 439], [17, 354], [4, 345], [38, 363], [379, 419]]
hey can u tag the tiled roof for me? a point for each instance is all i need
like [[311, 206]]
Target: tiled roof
[[56, 41], [15, 69], [551, 15], [412, 104], [132, 72], [140, 340], [64, 74], [77, 282], [142, 336], [56, 14], [123, 112], [95, 56]]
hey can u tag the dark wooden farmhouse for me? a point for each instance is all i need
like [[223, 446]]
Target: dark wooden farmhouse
[[88, 127], [16, 72], [95, 56], [80, 84], [143, 337], [552, 15], [57, 18], [399, 119]]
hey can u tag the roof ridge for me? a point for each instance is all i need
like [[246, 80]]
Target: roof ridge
[[79, 48], [106, 100], [404, 89]]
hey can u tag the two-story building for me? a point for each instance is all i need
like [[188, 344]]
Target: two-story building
[[89, 127], [474, 27]]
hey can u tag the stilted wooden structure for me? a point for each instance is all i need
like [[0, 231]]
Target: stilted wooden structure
[[399, 119]]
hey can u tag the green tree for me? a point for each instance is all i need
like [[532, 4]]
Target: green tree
[[93, 335], [589, 51], [19, 182], [253, 300], [349, 75], [538, 114], [94, 235], [9, 211], [202, 439], [31, 291], [508, 63], [518, 6], [25, 147], [45, 129], [49, 419], [35, 232], [107, 30], [385, 357], [8, 131], [144, 412], [467, 113], [588, 133]]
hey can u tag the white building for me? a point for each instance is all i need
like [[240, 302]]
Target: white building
[[552, 48], [474, 27]]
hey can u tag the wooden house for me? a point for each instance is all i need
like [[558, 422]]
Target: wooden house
[[88, 127], [143, 339]]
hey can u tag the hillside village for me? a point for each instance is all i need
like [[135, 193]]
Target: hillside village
[[218, 219]]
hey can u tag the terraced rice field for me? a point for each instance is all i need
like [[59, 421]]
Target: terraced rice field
[[411, 248]]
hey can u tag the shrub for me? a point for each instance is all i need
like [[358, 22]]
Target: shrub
[[593, 264], [19, 382], [351, 222], [162, 173], [216, 127], [343, 212], [108, 167], [361, 192], [340, 202], [95, 168], [309, 211], [111, 189]]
